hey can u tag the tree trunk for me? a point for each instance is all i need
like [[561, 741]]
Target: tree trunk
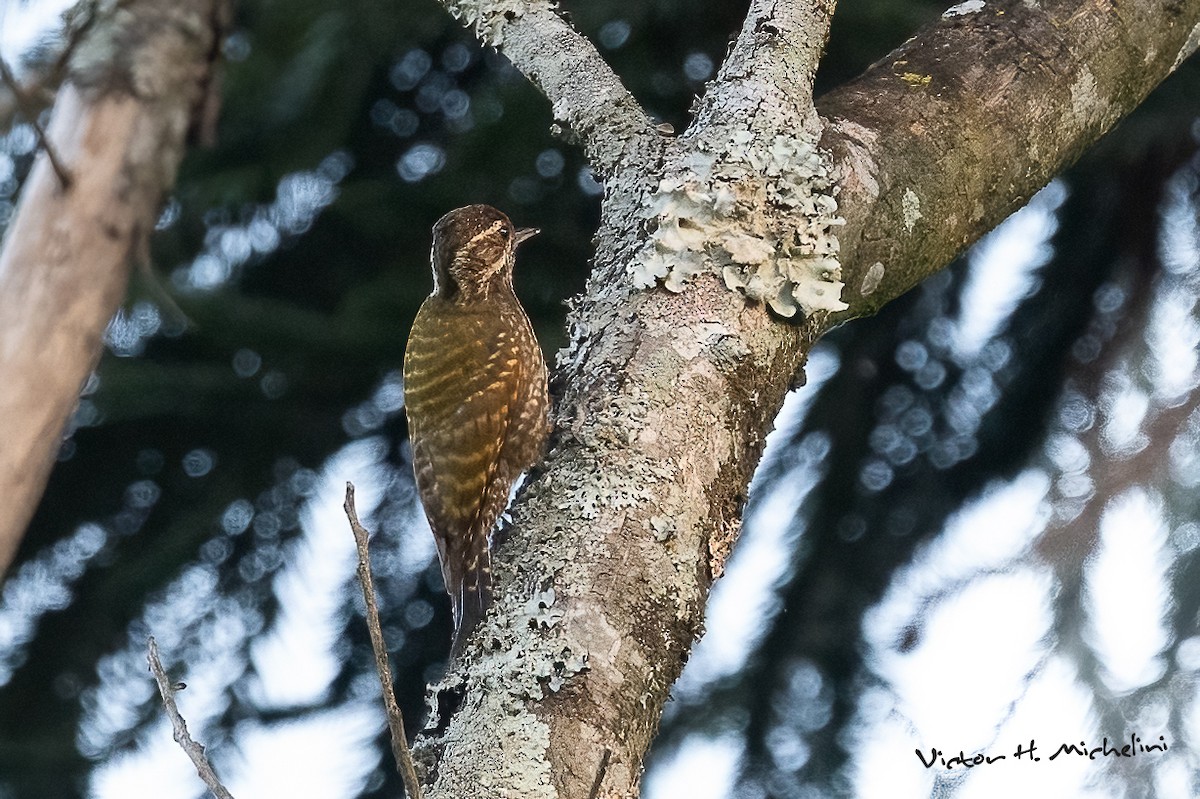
[[668, 394], [119, 125]]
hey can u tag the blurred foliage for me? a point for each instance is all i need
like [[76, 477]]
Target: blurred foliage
[[296, 251]]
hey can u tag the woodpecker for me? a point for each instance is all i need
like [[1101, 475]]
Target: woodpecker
[[476, 398]]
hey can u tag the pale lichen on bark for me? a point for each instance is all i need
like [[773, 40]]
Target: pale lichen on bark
[[962, 9], [749, 196], [761, 214], [522, 659], [487, 18]]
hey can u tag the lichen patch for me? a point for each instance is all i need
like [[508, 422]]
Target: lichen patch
[[690, 340], [962, 9], [487, 19], [1086, 103], [910, 206], [916, 79], [871, 279], [720, 214]]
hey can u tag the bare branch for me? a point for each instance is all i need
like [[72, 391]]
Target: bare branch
[[587, 98], [400, 752], [194, 750]]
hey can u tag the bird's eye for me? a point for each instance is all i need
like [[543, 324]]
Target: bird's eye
[[505, 233]]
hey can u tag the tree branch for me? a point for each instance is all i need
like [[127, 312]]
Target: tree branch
[[765, 83], [119, 126], [395, 719], [601, 588], [948, 135], [194, 750], [587, 98]]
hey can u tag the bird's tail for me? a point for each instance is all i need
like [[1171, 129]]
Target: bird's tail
[[471, 601]]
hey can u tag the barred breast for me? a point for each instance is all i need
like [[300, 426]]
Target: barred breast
[[477, 405]]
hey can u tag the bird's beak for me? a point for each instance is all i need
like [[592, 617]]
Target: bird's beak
[[524, 233]]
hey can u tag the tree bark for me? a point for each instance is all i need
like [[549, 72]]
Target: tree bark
[[667, 395], [119, 126], [945, 137]]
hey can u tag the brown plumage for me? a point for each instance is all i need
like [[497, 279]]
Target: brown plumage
[[475, 394]]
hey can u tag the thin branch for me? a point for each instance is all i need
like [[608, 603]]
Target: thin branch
[[194, 750], [31, 114], [404, 761], [588, 99]]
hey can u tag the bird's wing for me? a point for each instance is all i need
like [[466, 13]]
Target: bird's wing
[[461, 380]]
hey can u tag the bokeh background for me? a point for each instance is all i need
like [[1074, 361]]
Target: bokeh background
[[977, 524]]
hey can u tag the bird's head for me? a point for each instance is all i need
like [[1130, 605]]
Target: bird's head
[[473, 251]]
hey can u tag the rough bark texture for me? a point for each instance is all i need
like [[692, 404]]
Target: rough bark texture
[[940, 141], [589, 103], [119, 126], [602, 579]]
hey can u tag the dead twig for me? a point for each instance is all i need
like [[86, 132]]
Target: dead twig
[[404, 761], [194, 750]]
